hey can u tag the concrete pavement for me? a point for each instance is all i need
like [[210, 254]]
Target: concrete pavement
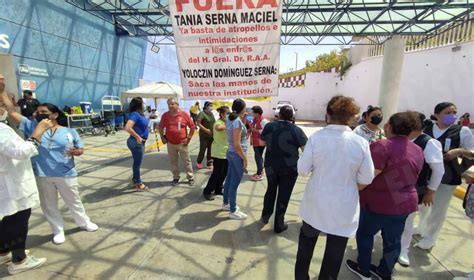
[[172, 233]]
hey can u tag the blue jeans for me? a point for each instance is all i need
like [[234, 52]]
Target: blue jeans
[[138, 150], [258, 151], [235, 172], [392, 227]]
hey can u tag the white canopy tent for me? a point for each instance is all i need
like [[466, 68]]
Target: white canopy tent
[[154, 91]]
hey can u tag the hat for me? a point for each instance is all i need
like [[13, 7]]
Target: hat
[[207, 103]]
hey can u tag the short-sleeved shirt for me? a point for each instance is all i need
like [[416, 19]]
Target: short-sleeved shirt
[[393, 191], [365, 132], [51, 160], [176, 126], [28, 107], [283, 139], [219, 145], [206, 120], [337, 160], [235, 124], [141, 124], [194, 109]]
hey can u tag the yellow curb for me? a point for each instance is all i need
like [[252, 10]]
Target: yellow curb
[[460, 192], [107, 150]]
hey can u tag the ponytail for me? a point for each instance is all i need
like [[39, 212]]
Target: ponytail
[[237, 107]]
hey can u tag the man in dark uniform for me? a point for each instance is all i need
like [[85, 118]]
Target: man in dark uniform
[[28, 104]]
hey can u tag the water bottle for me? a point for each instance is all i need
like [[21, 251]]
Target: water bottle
[[69, 146]]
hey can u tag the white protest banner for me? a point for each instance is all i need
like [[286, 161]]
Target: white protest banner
[[227, 48]]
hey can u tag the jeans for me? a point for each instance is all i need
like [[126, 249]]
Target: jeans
[[392, 227], [214, 185], [138, 151], [13, 232], [235, 172], [283, 182], [205, 143], [258, 151], [333, 254]]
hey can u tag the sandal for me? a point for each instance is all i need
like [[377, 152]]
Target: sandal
[[141, 187]]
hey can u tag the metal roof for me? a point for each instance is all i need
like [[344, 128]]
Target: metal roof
[[304, 22]]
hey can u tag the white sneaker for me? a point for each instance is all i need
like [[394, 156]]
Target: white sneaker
[[91, 227], [8, 257], [226, 207], [403, 259], [424, 244], [237, 215], [59, 238], [29, 263]]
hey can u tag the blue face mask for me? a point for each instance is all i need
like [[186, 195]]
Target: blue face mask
[[449, 119]]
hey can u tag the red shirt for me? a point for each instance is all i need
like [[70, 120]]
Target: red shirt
[[393, 191], [176, 126]]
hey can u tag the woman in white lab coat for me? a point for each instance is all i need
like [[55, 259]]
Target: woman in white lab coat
[[18, 194]]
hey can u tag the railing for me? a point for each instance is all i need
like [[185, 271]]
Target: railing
[[457, 33]]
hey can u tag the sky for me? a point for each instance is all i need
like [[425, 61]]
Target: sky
[[288, 56]]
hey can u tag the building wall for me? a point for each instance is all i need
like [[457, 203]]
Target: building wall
[[163, 66], [83, 57], [428, 77]]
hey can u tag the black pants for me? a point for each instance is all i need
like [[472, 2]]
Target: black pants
[[205, 143], [333, 254], [194, 117], [258, 153], [216, 181], [13, 232], [281, 181]]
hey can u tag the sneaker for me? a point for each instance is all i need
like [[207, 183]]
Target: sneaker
[[375, 272], [226, 207], [403, 259], [199, 165], [424, 244], [59, 238], [208, 197], [8, 257], [237, 215], [175, 182], [191, 182], [29, 263], [256, 178], [90, 227], [354, 268]]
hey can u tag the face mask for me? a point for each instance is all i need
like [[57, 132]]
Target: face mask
[[449, 119], [41, 117], [376, 120], [210, 108]]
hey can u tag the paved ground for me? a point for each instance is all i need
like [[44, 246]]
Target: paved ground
[[172, 233]]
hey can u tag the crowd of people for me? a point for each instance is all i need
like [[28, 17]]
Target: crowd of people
[[388, 173]]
